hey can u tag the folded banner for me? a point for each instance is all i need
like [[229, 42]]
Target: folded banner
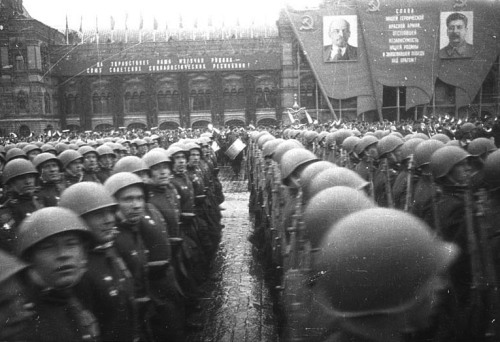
[[236, 147]]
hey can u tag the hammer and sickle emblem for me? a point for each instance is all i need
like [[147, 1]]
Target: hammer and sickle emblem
[[373, 6], [307, 23], [460, 3]]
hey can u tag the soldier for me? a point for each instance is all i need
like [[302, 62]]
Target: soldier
[[366, 150], [72, 163], [106, 160], [51, 179], [389, 152], [20, 185], [32, 151], [381, 288], [53, 241], [107, 271], [90, 164], [144, 246]]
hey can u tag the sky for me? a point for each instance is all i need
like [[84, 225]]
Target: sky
[[54, 12]]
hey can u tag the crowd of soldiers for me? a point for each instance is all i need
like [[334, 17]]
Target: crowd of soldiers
[[106, 239], [380, 234]]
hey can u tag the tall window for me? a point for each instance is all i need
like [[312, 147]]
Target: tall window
[[22, 101], [200, 100], [47, 103]]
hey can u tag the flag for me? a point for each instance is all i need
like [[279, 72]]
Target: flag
[[180, 21], [141, 23], [126, 21], [112, 23], [309, 119], [67, 31], [290, 117], [155, 24], [81, 25], [96, 30]]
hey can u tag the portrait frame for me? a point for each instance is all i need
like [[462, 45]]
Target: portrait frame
[[445, 49], [351, 52]]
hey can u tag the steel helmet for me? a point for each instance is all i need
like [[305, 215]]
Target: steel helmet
[[397, 134], [480, 146], [130, 164], [311, 170], [15, 153], [174, 149], [388, 144], [270, 146], [21, 144], [192, 146], [45, 223], [349, 143], [444, 159], [330, 139], [87, 149], [341, 135], [424, 151], [17, 167], [61, 147], [153, 158], [322, 135], [69, 156], [48, 148], [421, 136], [310, 136], [338, 176], [379, 134], [453, 143], [44, 157], [441, 137], [259, 135], [409, 136], [254, 134], [85, 197], [80, 143], [31, 147], [364, 143], [105, 150], [409, 147], [376, 260], [73, 147], [285, 146], [122, 180], [263, 139], [492, 170], [139, 142], [329, 206], [293, 159], [467, 127]]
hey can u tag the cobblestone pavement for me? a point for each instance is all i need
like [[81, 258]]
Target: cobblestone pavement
[[238, 305]]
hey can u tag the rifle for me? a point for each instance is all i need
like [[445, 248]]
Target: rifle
[[387, 184], [409, 185], [435, 215], [484, 228], [477, 286], [370, 178]]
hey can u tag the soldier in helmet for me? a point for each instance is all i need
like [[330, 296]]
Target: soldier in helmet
[[369, 289], [54, 242], [90, 164], [109, 275], [51, 178], [21, 192], [366, 150], [106, 160], [144, 246], [72, 163], [389, 153]]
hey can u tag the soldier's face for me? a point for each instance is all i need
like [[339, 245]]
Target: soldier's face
[[131, 203], [179, 160], [107, 161], [33, 154], [24, 184], [75, 167], [461, 172], [456, 32], [59, 260], [90, 161], [50, 171], [194, 157], [160, 174], [102, 223]]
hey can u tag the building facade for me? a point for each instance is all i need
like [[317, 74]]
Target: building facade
[[248, 75]]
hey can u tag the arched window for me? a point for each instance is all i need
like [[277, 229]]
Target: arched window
[[70, 104], [162, 101], [22, 101], [142, 102], [227, 99], [128, 102], [106, 103], [208, 100], [134, 103], [259, 98], [47, 103], [96, 108], [175, 101], [240, 99]]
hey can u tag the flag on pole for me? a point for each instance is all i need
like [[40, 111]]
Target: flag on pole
[[180, 21], [155, 24], [126, 27], [141, 23], [112, 21], [97, 30], [81, 29], [309, 119], [290, 117], [67, 31]]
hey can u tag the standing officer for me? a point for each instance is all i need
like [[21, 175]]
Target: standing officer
[[51, 178]]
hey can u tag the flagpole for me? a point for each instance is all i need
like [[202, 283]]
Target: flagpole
[[67, 33]]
